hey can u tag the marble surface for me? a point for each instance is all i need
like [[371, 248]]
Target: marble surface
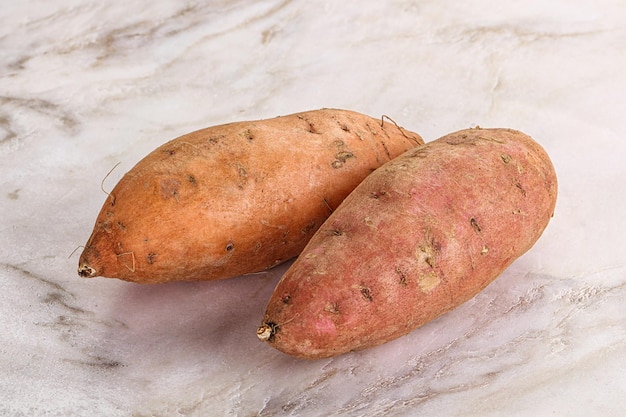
[[85, 85]]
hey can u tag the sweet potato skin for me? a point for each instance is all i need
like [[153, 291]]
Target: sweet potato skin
[[235, 198], [419, 236]]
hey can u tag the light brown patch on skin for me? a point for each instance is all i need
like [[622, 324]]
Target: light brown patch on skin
[[429, 282], [169, 188]]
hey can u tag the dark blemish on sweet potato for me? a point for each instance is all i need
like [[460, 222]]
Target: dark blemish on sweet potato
[[334, 232], [341, 159], [332, 308], [377, 194], [150, 258], [248, 135], [402, 275], [286, 298], [230, 246], [475, 225], [121, 226], [308, 228], [191, 179], [311, 127], [366, 293], [169, 151], [506, 158], [519, 187]]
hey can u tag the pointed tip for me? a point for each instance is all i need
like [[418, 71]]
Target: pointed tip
[[85, 271]]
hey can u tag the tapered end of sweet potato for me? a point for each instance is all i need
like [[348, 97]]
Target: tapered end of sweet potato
[[99, 260], [86, 271], [89, 264]]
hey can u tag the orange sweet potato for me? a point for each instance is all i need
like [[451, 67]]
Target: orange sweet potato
[[236, 198], [418, 237]]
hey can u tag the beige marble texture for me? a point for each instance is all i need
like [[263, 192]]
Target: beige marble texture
[[87, 84]]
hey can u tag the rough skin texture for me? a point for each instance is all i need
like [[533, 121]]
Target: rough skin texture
[[421, 235], [236, 198]]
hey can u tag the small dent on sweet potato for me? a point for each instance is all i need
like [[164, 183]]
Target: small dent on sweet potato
[[475, 225]]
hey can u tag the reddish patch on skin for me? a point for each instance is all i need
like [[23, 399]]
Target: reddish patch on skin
[[325, 325]]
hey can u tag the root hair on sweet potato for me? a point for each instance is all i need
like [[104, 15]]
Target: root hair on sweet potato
[[109, 194], [74, 251], [134, 264], [382, 124]]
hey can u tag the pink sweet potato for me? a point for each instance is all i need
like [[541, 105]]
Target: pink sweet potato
[[418, 237], [236, 198]]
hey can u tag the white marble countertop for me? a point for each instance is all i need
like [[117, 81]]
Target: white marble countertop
[[87, 84]]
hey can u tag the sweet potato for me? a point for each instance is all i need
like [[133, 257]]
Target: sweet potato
[[236, 198], [418, 237]]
